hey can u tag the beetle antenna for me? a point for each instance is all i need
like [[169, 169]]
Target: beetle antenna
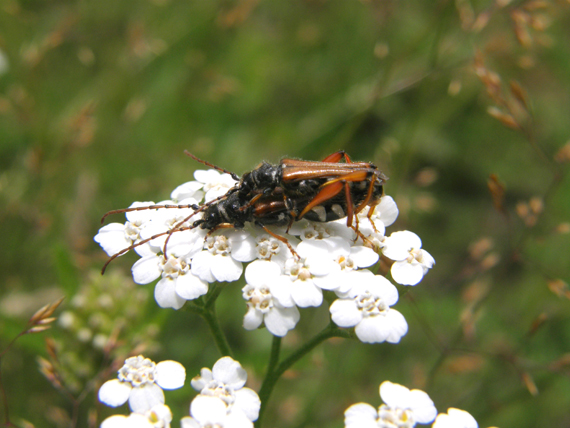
[[211, 165], [148, 207]]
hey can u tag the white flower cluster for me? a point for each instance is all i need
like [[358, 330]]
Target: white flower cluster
[[223, 401], [404, 408], [328, 256], [141, 381]]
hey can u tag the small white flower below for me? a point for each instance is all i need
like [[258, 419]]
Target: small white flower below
[[226, 381], [141, 382], [403, 409], [212, 412]]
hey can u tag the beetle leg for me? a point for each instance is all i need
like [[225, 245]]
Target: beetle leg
[[366, 200], [326, 193], [337, 156], [281, 238], [353, 176], [369, 215], [221, 226], [349, 208], [252, 202]]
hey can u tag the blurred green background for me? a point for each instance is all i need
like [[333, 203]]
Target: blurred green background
[[464, 104]]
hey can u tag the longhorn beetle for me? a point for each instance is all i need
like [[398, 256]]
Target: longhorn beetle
[[282, 194]]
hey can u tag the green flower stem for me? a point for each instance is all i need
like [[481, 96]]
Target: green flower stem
[[210, 317], [206, 308], [275, 370]]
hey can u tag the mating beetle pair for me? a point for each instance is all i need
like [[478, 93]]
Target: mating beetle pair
[[278, 195]]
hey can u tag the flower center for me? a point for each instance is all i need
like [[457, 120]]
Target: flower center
[[370, 305], [346, 263], [173, 267], [132, 230], [315, 231], [298, 270], [138, 371], [259, 297], [218, 245], [220, 390], [267, 247], [389, 417]]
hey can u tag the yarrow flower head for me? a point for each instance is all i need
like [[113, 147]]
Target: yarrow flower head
[[366, 307], [267, 300], [411, 262], [141, 381], [226, 382], [402, 409]]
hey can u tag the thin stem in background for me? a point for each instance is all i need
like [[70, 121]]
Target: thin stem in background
[[206, 308]]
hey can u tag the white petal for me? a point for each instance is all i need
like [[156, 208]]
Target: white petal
[[114, 392], [427, 260], [140, 216], [190, 287], [261, 272], [144, 398], [199, 382], [134, 420], [407, 273], [146, 270], [190, 189], [399, 244], [188, 422], [206, 176], [422, 406], [395, 395], [112, 238], [280, 320], [201, 266], [372, 329], [312, 247], [344, 313], [455, 418], [337, 245], [208, 410], [230, 372], [361, 415], [170, 374], [330, 281], [252, 319], [306, 294], [382, 287], [398, 326], [166, 296], [244, 250], [237, 419], [224, 268], [363, 256], [248, 401], [186, 243], [387, 209]]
